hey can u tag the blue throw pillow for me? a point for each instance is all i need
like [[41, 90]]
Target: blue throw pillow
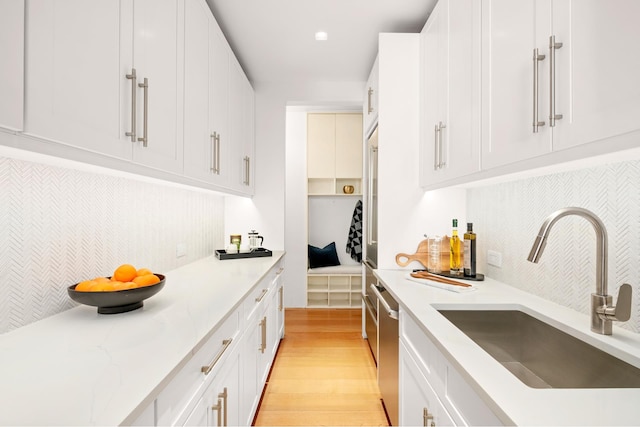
[[324, 257]]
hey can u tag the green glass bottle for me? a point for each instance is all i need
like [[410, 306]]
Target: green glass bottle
[[470, 251]]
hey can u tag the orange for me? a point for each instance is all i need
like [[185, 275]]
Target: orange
[[85, 286], [144, 272], [146, 280], [103, 287], [100, 279], [119, 286], [125, 273]]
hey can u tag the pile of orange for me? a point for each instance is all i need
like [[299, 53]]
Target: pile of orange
[[124, 277]]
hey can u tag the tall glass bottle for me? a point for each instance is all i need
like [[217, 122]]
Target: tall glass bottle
[[470, 251], [455, 260]]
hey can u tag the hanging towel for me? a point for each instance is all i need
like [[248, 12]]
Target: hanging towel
[[354, 241]]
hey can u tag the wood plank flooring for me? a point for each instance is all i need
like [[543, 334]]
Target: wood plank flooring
[[324, 373]]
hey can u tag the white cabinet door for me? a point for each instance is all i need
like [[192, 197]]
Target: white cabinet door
[[12, 64], [219, 405], [79, 55], [156, 57], [241, 130], [321, 147], [76, 90], [419, 404], [199, 144], [510, 33], [597, 70], [348, 140], [370, 108], [219, 102], [450, 60]]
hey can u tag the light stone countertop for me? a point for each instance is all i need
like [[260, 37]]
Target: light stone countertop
[[511, 400], [83, 368]]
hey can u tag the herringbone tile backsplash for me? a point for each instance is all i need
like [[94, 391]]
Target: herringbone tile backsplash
[[507, 218], [59, 226]]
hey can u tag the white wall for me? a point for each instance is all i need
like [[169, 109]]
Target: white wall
[[62, 222], [405, 211], [275, 212]]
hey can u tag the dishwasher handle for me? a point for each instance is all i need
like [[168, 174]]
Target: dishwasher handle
[[390, 312]]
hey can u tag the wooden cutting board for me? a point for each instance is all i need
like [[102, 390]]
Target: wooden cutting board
[[421, 255]]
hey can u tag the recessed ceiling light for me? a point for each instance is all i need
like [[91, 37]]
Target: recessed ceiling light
[[321, 35]]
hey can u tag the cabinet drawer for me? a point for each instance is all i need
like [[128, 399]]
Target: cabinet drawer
[[424, 351], [260, 293], [174, 400]]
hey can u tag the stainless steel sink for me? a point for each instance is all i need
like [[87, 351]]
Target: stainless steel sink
[[540, 355]]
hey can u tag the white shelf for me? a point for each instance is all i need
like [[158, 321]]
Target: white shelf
[[334, 290]]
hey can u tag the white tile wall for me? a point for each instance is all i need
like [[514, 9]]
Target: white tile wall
[[507, 218], [59, 226]]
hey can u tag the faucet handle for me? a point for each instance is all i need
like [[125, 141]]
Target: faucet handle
[[622, 310]]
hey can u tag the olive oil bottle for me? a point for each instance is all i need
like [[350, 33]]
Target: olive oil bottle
[[455, 260], [470, 251]]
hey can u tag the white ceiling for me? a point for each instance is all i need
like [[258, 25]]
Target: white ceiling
[[274, 39]]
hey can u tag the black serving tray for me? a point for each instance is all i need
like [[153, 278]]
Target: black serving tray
[[255, 253], [478, 277]]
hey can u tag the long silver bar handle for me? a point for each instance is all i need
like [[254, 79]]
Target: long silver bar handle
[[247, 165], [225, 344], [536, 58], [224, 395], [145, 117], [218, 408], [436, 144], [369, 106], [212, 137], [218, 154], [442, 163], [134, 86], [390, 312], [281, 298], [263, 342], [553, 46]]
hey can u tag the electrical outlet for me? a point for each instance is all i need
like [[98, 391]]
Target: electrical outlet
[[494, 258], [181, 250]]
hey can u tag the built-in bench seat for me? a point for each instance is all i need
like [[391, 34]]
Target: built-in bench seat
[[338, 286]]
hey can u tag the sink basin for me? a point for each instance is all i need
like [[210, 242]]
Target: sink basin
[[540, 355]]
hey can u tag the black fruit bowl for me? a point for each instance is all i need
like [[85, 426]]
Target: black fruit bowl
[[114, 302]]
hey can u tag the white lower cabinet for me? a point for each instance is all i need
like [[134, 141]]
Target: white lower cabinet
[[428, 381], [419, 404], [221, 384], [220, 403]]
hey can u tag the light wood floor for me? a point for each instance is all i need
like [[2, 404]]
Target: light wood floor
[[324, 373]]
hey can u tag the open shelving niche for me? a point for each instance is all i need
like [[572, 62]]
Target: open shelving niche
[[334, 290]]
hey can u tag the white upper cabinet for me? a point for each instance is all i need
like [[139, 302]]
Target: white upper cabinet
[[450, 91], [81, 89], [12, 64], [370, 107], [597, 70], [206, 91], [538, 99], [219, 106]]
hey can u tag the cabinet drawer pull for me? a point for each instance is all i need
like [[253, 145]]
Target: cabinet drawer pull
[[223, 395], [218, 408], [225, 344], [427, 418], [441, 161], [553, 46], [436, 154], [263, 340], [247, 168], [281, 299], [369, 106], [134, 86], [536, 58], [264, 292], [145, 115]]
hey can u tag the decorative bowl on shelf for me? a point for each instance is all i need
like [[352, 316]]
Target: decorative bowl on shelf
[[113, 302], [348, 189]]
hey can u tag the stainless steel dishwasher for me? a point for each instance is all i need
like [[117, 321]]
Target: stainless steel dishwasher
[[388, 350], [371, 311]]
